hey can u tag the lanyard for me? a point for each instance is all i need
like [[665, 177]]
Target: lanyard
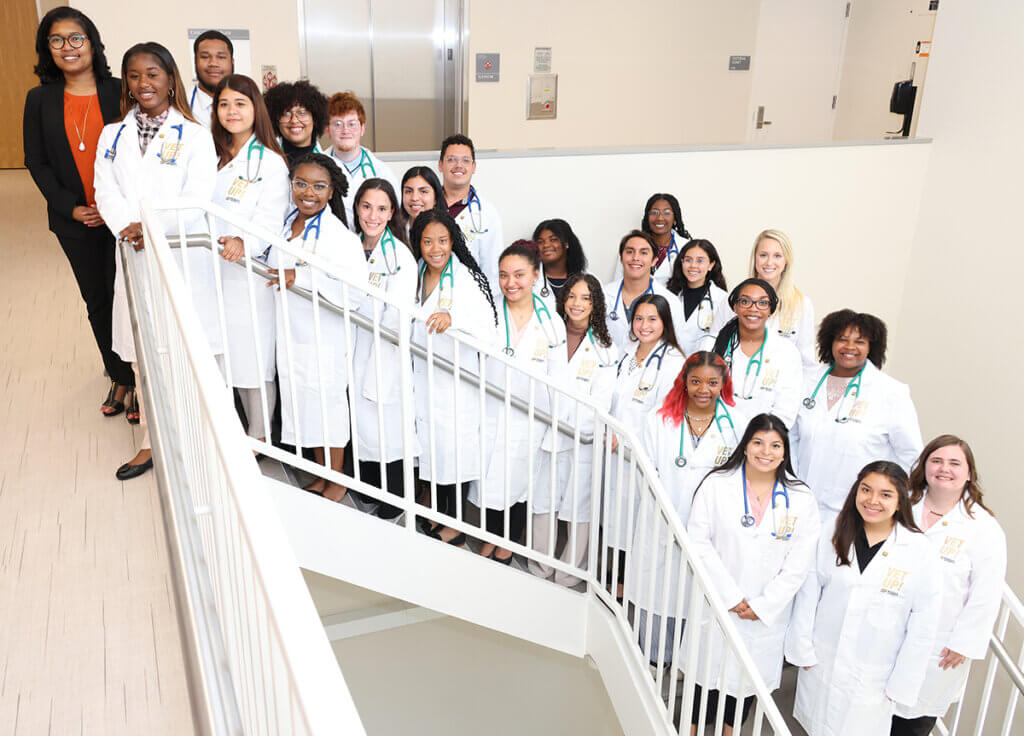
[[538, 308], [748, 520], [748, 392], [443, 303], [852, 386], [618, 298]]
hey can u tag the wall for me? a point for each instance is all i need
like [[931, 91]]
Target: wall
[[959, 333], [273, 29], [651, 73]]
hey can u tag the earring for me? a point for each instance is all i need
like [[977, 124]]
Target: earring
[[130, 97], [171, 92]]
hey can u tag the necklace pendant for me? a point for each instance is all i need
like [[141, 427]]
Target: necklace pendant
[[81, 145]]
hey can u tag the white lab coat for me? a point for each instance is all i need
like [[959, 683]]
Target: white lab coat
[[799, 330], [774, 385], [868, 636], [123, 183], [367, 394], [298, 359], [693, 337], [664, 272], [631, 405], [263, 202], [661, 440], [972, 559], [550, 299], [453, 453], [750, 563], [541, 349], [591, 372], [202, 106], [619, 327], [375, 169], [481, 225], [882, 426]]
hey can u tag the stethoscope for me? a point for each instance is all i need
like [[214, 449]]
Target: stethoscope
[[673, 250], [192, 99], [476, 223], [539, 308], [254, 143], [388, 239], [111, 153], [364, 162], [443, 303], [614, 315], [681, 458], [313, 224], [756, 358], [706, 311], [545, 291], [852, 387], [657, 355], [748, 520]]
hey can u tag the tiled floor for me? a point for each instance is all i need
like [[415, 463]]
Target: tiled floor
[[89, 639]]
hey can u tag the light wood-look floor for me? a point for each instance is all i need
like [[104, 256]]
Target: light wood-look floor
[[88, 630]]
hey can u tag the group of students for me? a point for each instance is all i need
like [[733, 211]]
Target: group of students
[[840, 542]]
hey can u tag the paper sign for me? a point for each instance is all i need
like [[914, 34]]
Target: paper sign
[[542, 60]]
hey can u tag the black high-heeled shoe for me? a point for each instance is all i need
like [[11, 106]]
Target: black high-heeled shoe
[[132, 407], [111, 407]]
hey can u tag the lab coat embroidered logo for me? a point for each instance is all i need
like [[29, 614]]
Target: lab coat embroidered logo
[[894, 580], [950, 549]]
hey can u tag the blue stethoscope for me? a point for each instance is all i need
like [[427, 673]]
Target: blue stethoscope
[[539, 309], [443, 303], [192, 99], [614, 315], [755, 359], [852, 388], [673, 251], [111, 152], [719, 416], [476, 223], [312, 224], [748, 520]]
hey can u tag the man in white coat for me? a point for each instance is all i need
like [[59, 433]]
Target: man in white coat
[[346, 127], [214, 60], [477, 217]]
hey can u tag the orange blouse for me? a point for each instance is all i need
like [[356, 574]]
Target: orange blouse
[[83, 123]]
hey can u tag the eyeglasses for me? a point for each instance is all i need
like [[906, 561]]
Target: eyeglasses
[[759, 303], [300, 186], [343, 124], [75, 41], [452, 160], [663, 213], [296, 113]]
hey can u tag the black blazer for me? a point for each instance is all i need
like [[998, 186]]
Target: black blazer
[[48, 153]]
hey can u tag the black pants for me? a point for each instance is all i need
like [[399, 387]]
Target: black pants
[[516, 521], [912, 726], [712, 707], [369, 472], [92, 261]]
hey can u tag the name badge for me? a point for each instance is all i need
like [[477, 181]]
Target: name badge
[[236, 192], [894, 581], [860, 408], [724, 451], [771, 377], [376, 279], [950, 549], [444, 303], [640, 395], [540, 350], [786, 528], [169, 152], [586, 370]]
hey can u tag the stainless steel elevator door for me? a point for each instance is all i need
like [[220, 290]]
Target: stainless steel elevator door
[[403, 59]]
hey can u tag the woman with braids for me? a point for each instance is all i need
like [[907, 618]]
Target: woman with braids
[[663, 222], [299, 110], [314, 226], [698, 281], [453, 298], [851, 412], [948, 506], [696, 430], [590, 371], [864, 622], [561, 255]]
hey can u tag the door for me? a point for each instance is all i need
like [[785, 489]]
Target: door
[[19, 19], [403, 60], [795, 70]]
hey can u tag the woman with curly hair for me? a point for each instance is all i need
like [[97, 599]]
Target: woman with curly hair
[[851, 412], [299, 110], [561, 255], [563, 480]]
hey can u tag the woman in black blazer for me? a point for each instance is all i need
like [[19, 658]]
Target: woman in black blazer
[[63, 119]]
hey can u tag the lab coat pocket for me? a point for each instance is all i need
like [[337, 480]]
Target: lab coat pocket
[[307, 366], [886, 622]]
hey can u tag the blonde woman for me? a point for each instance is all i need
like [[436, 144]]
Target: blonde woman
[[772, 260]]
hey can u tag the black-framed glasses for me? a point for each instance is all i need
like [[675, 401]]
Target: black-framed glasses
[[75, 41], [747, 302]]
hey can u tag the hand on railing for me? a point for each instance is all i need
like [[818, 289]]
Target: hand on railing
[[438, 322], [133, 234], [289, 278], [234, 248], [950, 659]]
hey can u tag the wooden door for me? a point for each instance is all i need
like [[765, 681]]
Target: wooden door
[[19, 20]]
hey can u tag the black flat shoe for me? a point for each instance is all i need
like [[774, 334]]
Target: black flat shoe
[[506, 561], [129, 471], [111, 407]]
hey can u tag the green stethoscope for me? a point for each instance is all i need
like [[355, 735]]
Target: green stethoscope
[[681, 458], [388, 239], [364, 162], [853, 387], [254, 143], [538, 308], [443, 303], [756, 358]]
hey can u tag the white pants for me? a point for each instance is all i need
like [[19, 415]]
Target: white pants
[[541, 537]]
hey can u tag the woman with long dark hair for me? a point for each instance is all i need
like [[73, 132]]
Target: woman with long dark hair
[[252, 184], [755, 526], [157, 151], [698, 281], [865, 620], [421, 190], [63, 119], [949, 507], [561, 255]]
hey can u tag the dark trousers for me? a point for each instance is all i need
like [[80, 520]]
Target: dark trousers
[[92, 261], [516, 521], [912, 726], [728, 716], [369, 472]]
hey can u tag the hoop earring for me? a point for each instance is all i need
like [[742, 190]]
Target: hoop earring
[[130, 97], [171, 92]]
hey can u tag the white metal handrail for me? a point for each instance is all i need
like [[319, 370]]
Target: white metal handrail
[[630, 497], [258, 658]]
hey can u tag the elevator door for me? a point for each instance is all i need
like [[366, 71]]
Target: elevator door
[[402, 59]]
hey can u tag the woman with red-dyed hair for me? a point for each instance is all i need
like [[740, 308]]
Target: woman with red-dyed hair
[[695, 431]]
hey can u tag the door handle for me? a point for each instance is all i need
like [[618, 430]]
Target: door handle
[[761, 122]]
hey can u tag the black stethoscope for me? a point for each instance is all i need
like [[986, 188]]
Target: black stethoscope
[[111, 152], [614, 316]]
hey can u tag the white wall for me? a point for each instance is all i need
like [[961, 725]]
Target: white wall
[[959, 330]]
